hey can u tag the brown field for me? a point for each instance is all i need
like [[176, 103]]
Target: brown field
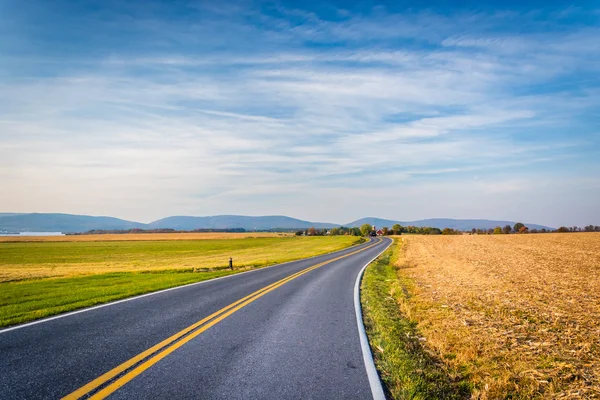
[[519, 315], [143, 236]]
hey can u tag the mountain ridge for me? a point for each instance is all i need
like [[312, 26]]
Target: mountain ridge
[[72, 223]]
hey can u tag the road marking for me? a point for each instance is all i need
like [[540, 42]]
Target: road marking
[[167, 346]]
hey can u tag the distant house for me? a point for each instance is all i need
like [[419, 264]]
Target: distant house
[[379, 232]]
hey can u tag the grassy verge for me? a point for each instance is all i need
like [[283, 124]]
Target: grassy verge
[[407, 369], [142, 265], [28, 300]]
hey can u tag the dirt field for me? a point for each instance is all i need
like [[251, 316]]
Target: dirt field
[[517, 314], [142, 237]]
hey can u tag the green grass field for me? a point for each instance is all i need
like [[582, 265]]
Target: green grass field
[[47, 278]]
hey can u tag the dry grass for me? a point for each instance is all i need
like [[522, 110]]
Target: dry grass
[[143, 237], [518, 315]]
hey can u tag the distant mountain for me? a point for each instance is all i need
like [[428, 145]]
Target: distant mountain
[[67, 223], [62, 223], [460, 224], [236, 221]]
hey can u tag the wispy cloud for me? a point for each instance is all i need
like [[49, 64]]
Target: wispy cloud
[[247, 109]]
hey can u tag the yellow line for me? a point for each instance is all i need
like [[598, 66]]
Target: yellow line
[[222, 314]]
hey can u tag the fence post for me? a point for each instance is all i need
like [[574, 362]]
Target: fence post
[[231, 263]]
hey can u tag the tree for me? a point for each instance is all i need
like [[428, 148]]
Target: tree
[[450, 231], [385, 231], [473, 231], [365, 229], [562, 229], [334, 231], [589, 228], [524, 229], [299, 233], [312, 231], [356, 231], [397, 229], [435, 231], [497, 230], [507, 229], [518, 227]]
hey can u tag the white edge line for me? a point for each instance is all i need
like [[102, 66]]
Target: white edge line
[[374, 381], [112, 303]]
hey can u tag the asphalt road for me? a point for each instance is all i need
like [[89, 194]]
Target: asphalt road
[[297, 338]]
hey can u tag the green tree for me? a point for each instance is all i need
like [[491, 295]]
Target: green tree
[[334, 231], [507, 229], [562, 229], [497, 230], [385, 231], [397, 229], [365, 229], [518, 227]]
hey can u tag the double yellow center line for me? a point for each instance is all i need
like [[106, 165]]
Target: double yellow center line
[[138, 364]]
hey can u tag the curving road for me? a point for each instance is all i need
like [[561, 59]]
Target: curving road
[[283, 332]]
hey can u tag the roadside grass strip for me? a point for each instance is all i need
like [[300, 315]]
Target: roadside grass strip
[[109, 382], [406, 368]]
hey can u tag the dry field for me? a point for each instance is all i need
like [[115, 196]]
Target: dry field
[[519, 315], [143, 237]]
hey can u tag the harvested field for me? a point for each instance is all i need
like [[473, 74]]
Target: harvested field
[[143, 237], [517, 315]]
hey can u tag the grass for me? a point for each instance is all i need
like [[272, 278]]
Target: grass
[[518, 316], [48, 278], [28, 300], [407, 369], [61, 259]]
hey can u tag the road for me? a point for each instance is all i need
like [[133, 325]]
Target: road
[[283, 332]]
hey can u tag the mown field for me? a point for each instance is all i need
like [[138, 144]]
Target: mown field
[[488, 317], [39, 279]]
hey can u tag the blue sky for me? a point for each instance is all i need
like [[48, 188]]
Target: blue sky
[[322, 111]]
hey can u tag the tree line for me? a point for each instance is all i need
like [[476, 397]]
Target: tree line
[[397, 229]]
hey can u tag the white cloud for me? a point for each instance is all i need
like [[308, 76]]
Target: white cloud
[[210, 132]]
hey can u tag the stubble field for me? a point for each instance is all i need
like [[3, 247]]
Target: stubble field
[[517, 316]]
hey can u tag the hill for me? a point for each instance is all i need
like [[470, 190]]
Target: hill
[[236, 221], [460, 224], [62, 223], [39, 222]]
